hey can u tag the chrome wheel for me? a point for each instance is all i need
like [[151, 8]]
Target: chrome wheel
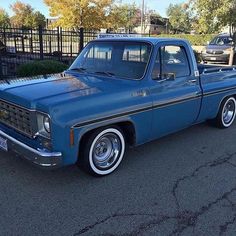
[[106, 151], [228, 112]]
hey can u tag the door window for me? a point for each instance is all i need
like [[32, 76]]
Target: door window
[[171, 62]]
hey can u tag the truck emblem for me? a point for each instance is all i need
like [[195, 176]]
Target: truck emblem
[[4, 114]]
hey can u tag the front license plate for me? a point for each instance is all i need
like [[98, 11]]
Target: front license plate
[[213, 58], [3, 144]]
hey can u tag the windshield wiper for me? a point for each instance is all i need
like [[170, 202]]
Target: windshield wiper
[[80, 69], [105, 73]]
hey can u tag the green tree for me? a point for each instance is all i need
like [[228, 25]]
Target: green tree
[[212, 15], [4, 18], [179, 17], [25, 16], [91, 14], [124, 16], [38, 19]]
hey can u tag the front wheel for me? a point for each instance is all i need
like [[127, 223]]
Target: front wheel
[[103, 151], [226, 114]]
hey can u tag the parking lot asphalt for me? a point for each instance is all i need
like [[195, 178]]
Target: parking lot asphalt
[[183, 184]]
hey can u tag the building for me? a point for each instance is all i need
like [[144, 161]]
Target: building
[[153, 24]]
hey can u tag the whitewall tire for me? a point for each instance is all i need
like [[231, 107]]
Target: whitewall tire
[[226, 114], [103, 151]]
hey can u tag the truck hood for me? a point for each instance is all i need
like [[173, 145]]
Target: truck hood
[[48, 90]]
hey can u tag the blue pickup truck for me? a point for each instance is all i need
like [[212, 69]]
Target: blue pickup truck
[[117, 93]]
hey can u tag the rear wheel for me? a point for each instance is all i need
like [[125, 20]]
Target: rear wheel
[[226, 114], [103, 151]]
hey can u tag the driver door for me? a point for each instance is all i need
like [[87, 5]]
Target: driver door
[[175, 91]]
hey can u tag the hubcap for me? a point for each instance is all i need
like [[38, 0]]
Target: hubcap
[[228, 112], [106, 151]]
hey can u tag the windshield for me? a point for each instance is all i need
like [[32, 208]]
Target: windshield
[[222, 41], [121, 59]]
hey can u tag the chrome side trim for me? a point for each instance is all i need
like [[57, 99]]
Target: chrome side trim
[[140, 110], [219, 91]]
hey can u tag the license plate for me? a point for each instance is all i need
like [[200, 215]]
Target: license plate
[[3, 144], [213, 58]]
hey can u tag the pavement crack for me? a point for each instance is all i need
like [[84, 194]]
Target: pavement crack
[[230, 163], [89, 227], [201, 212], [184, 219], [224, 227], [209, 164]]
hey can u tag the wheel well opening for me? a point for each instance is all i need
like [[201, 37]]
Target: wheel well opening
[[126, 127], [225, 98], [129, 132]]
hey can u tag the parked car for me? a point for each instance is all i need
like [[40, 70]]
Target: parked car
[[218, 50], [117, 93]]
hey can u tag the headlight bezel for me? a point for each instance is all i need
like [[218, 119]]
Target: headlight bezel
[[46, 124], [43, 122]]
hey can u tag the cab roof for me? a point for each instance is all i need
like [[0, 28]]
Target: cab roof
[[152, 40]]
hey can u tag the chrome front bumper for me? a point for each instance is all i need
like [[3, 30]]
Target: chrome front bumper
[[37, 156], [215, 57]]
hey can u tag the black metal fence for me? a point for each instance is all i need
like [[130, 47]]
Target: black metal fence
[[19, 46]]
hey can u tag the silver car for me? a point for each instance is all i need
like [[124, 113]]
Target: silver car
[[218, 50]]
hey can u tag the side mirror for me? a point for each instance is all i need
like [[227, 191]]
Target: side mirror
[[165, 77], [169, 76], [156, 77]]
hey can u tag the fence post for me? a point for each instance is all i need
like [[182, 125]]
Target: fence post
[[23, 43], [15, 44], [58, 43], [4, 36], [81, 39], [1, 67], [50, 46], [71, 42], [41, 42], [31, 41], [61, 40]]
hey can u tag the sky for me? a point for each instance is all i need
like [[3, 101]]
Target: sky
[[159, 5]]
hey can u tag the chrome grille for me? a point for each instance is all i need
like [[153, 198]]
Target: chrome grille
[[214, 52], [16, 117]]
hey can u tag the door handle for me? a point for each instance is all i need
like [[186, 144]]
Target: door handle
[[191, 81]]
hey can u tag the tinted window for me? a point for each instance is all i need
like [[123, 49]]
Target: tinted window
[[138, 53], [102, 52], [121, 59], [171, 61], [221, 41]]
